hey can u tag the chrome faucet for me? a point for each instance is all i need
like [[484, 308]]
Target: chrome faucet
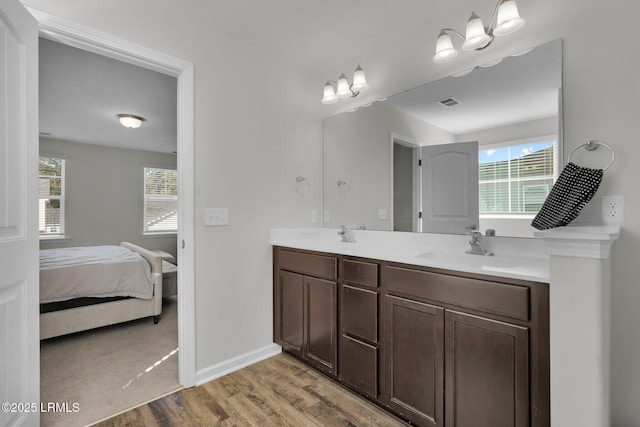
[[346, 234], [476, 244]]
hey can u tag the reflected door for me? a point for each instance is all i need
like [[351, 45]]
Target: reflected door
[[449, 179], [406, 195]]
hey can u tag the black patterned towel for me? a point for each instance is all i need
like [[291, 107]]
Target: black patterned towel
[[575, 186]]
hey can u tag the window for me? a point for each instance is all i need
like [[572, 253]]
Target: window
[[51, 197], [160, 201], [515, 179]]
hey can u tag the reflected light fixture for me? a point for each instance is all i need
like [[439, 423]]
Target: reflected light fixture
[[130, 120], [343, 89], [344, 189], [303, 187], [478, 36]]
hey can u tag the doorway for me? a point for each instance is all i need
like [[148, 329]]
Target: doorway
[[65, 32]]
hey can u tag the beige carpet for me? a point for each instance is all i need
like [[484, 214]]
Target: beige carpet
[[109, 370]]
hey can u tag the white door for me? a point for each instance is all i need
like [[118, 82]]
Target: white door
[[19, 288], [450, 187]]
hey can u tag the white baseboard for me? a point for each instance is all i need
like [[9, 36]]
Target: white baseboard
[[223, 368]]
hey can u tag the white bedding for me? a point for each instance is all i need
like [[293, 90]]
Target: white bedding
[[93, 271]]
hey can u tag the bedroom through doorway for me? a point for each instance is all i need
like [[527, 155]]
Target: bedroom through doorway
[[102, 184]]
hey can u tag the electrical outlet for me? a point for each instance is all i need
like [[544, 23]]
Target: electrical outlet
[[613, 209]]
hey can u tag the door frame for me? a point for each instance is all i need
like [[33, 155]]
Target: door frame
[[75, 35], [396, 138]]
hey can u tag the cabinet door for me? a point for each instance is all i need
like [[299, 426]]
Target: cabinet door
[[359, 365], [360, 313], [289, 305], [487, 372], [414, 360], [321, 323]]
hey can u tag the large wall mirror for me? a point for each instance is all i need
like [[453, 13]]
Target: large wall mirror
[[477, 150]]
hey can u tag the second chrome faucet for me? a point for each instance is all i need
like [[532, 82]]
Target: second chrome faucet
[[477, 248], [346, 234]]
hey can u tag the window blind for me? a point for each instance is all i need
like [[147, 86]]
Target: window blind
[[515, 179], [51, 196], [160, 200]]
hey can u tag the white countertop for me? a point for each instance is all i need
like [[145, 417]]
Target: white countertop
[[514, 258]]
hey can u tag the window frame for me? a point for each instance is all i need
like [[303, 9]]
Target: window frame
[[145, 198], [516, 142], [61, 235]]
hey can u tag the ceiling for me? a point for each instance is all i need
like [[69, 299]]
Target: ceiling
[[81, 93], [518, 89]]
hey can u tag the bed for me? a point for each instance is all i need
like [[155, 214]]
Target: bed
[[90, 287]]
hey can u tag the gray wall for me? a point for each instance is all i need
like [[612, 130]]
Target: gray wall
[[233, 264], [104, 195]]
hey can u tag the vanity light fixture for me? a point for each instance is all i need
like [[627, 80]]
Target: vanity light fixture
[[477, 35], [343, 89], [130, 120], [344, 189]]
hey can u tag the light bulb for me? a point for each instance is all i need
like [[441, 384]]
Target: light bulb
[[445, 51], [509, 20], [343, 90], [359, 80], [475, 37], [329, 96]]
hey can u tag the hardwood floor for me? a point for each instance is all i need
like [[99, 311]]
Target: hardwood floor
[[279, 391]]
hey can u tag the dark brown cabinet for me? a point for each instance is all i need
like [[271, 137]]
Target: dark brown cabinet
[[434, 347], [359, 343], [465, 351], [414, 341], [487, 372], [320, 322], [305, 307], [291, 325]]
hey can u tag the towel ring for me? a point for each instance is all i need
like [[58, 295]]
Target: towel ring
[[592, 145]]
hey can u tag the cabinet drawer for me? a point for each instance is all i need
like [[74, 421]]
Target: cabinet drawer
[[359, 365], [483, 295], [325, 267], [362, 273], [360, 313]]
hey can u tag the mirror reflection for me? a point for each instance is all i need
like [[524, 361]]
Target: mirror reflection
[[479, 151]]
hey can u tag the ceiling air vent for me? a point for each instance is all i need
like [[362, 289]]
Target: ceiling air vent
[[449, 102]]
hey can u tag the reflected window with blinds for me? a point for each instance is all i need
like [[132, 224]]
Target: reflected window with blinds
[[515, 178], [160, 201], [51, 197]]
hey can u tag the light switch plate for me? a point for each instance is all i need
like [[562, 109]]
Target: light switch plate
[[216, 216]]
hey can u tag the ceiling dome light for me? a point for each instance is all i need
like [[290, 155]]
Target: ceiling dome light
[[509, 20], [476, 36], [445, 51], [130, 120]]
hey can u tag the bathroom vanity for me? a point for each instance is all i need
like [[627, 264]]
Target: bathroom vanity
[[432, 344]]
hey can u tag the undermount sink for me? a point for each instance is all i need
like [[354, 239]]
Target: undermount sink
[[454, 258]]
